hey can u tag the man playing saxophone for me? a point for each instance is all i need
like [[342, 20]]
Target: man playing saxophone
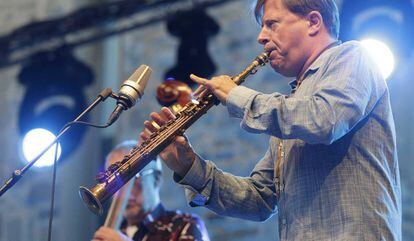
[[331, 169], [145, 218]]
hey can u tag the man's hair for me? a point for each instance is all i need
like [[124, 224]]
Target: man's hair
[[327, 8], [125, 145]]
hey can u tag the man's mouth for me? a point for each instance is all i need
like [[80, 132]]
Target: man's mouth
[[274, 54], [269, 51], [131, 205]]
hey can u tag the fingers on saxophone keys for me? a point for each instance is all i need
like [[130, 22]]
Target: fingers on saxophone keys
[[199, 90], [158, 118], [204, 93], [144, 135], [167, 113], [151, 126]]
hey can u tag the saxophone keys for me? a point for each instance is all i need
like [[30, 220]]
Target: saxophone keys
[[101, 177]]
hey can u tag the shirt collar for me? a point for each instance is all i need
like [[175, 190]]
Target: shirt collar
[[312, 69], [317, 63]]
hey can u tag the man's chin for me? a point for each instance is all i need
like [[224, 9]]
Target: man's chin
[[276, 67], [276, 64], [133, 212], [134, 215], [283, 71]]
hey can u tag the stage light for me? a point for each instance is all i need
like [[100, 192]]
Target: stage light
[[54, 84], [388, 21], [381, 54], [193, 28], [34, 142]]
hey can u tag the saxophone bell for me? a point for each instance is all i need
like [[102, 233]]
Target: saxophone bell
[[91, 201], [109, 183]]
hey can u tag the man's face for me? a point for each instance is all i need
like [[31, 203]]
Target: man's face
[[284, 36], [134, 208], [144, 196], [144, 193]]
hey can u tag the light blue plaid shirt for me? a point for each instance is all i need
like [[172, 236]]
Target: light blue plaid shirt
[[339, 174]]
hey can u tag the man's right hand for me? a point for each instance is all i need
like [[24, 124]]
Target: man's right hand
[[179, 155]]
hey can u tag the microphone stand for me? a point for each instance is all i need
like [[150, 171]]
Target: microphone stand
[[17, 174]]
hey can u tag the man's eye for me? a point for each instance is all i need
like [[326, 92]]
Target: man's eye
[[271, 24]]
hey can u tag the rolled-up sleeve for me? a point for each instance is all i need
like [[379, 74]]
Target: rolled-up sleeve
[[252, 197]]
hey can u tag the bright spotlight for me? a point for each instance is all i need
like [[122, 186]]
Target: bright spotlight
[[34, 142], [381, 54], [54, 83]]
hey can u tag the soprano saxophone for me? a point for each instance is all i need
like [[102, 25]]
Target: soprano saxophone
[[121, 172]]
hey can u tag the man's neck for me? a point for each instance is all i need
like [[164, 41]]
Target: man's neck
[[141, 216], [319, 49], [136, 220]]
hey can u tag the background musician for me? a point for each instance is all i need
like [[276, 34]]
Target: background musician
[[145, 218]]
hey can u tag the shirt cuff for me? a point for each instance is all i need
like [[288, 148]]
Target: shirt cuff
[[195, 175], [196, 183], [238, 99]]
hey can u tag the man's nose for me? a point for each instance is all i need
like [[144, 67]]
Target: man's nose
[[262, 38]]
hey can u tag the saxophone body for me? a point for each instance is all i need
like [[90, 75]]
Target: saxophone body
[[121, 172]]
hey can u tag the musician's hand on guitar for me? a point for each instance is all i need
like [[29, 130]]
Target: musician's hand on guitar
[[109, 234], [179, 155], [220, 86]]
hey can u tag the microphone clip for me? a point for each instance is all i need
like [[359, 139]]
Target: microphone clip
[[122, 104]]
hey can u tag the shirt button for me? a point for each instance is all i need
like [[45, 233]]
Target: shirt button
[[283, 221]]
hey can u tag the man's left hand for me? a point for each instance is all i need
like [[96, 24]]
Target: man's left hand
[[109, 234], [220, 86]]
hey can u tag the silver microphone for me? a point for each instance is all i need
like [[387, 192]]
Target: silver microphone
[[131, 90]]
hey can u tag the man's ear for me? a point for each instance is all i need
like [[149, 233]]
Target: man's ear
[[315, 23]]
